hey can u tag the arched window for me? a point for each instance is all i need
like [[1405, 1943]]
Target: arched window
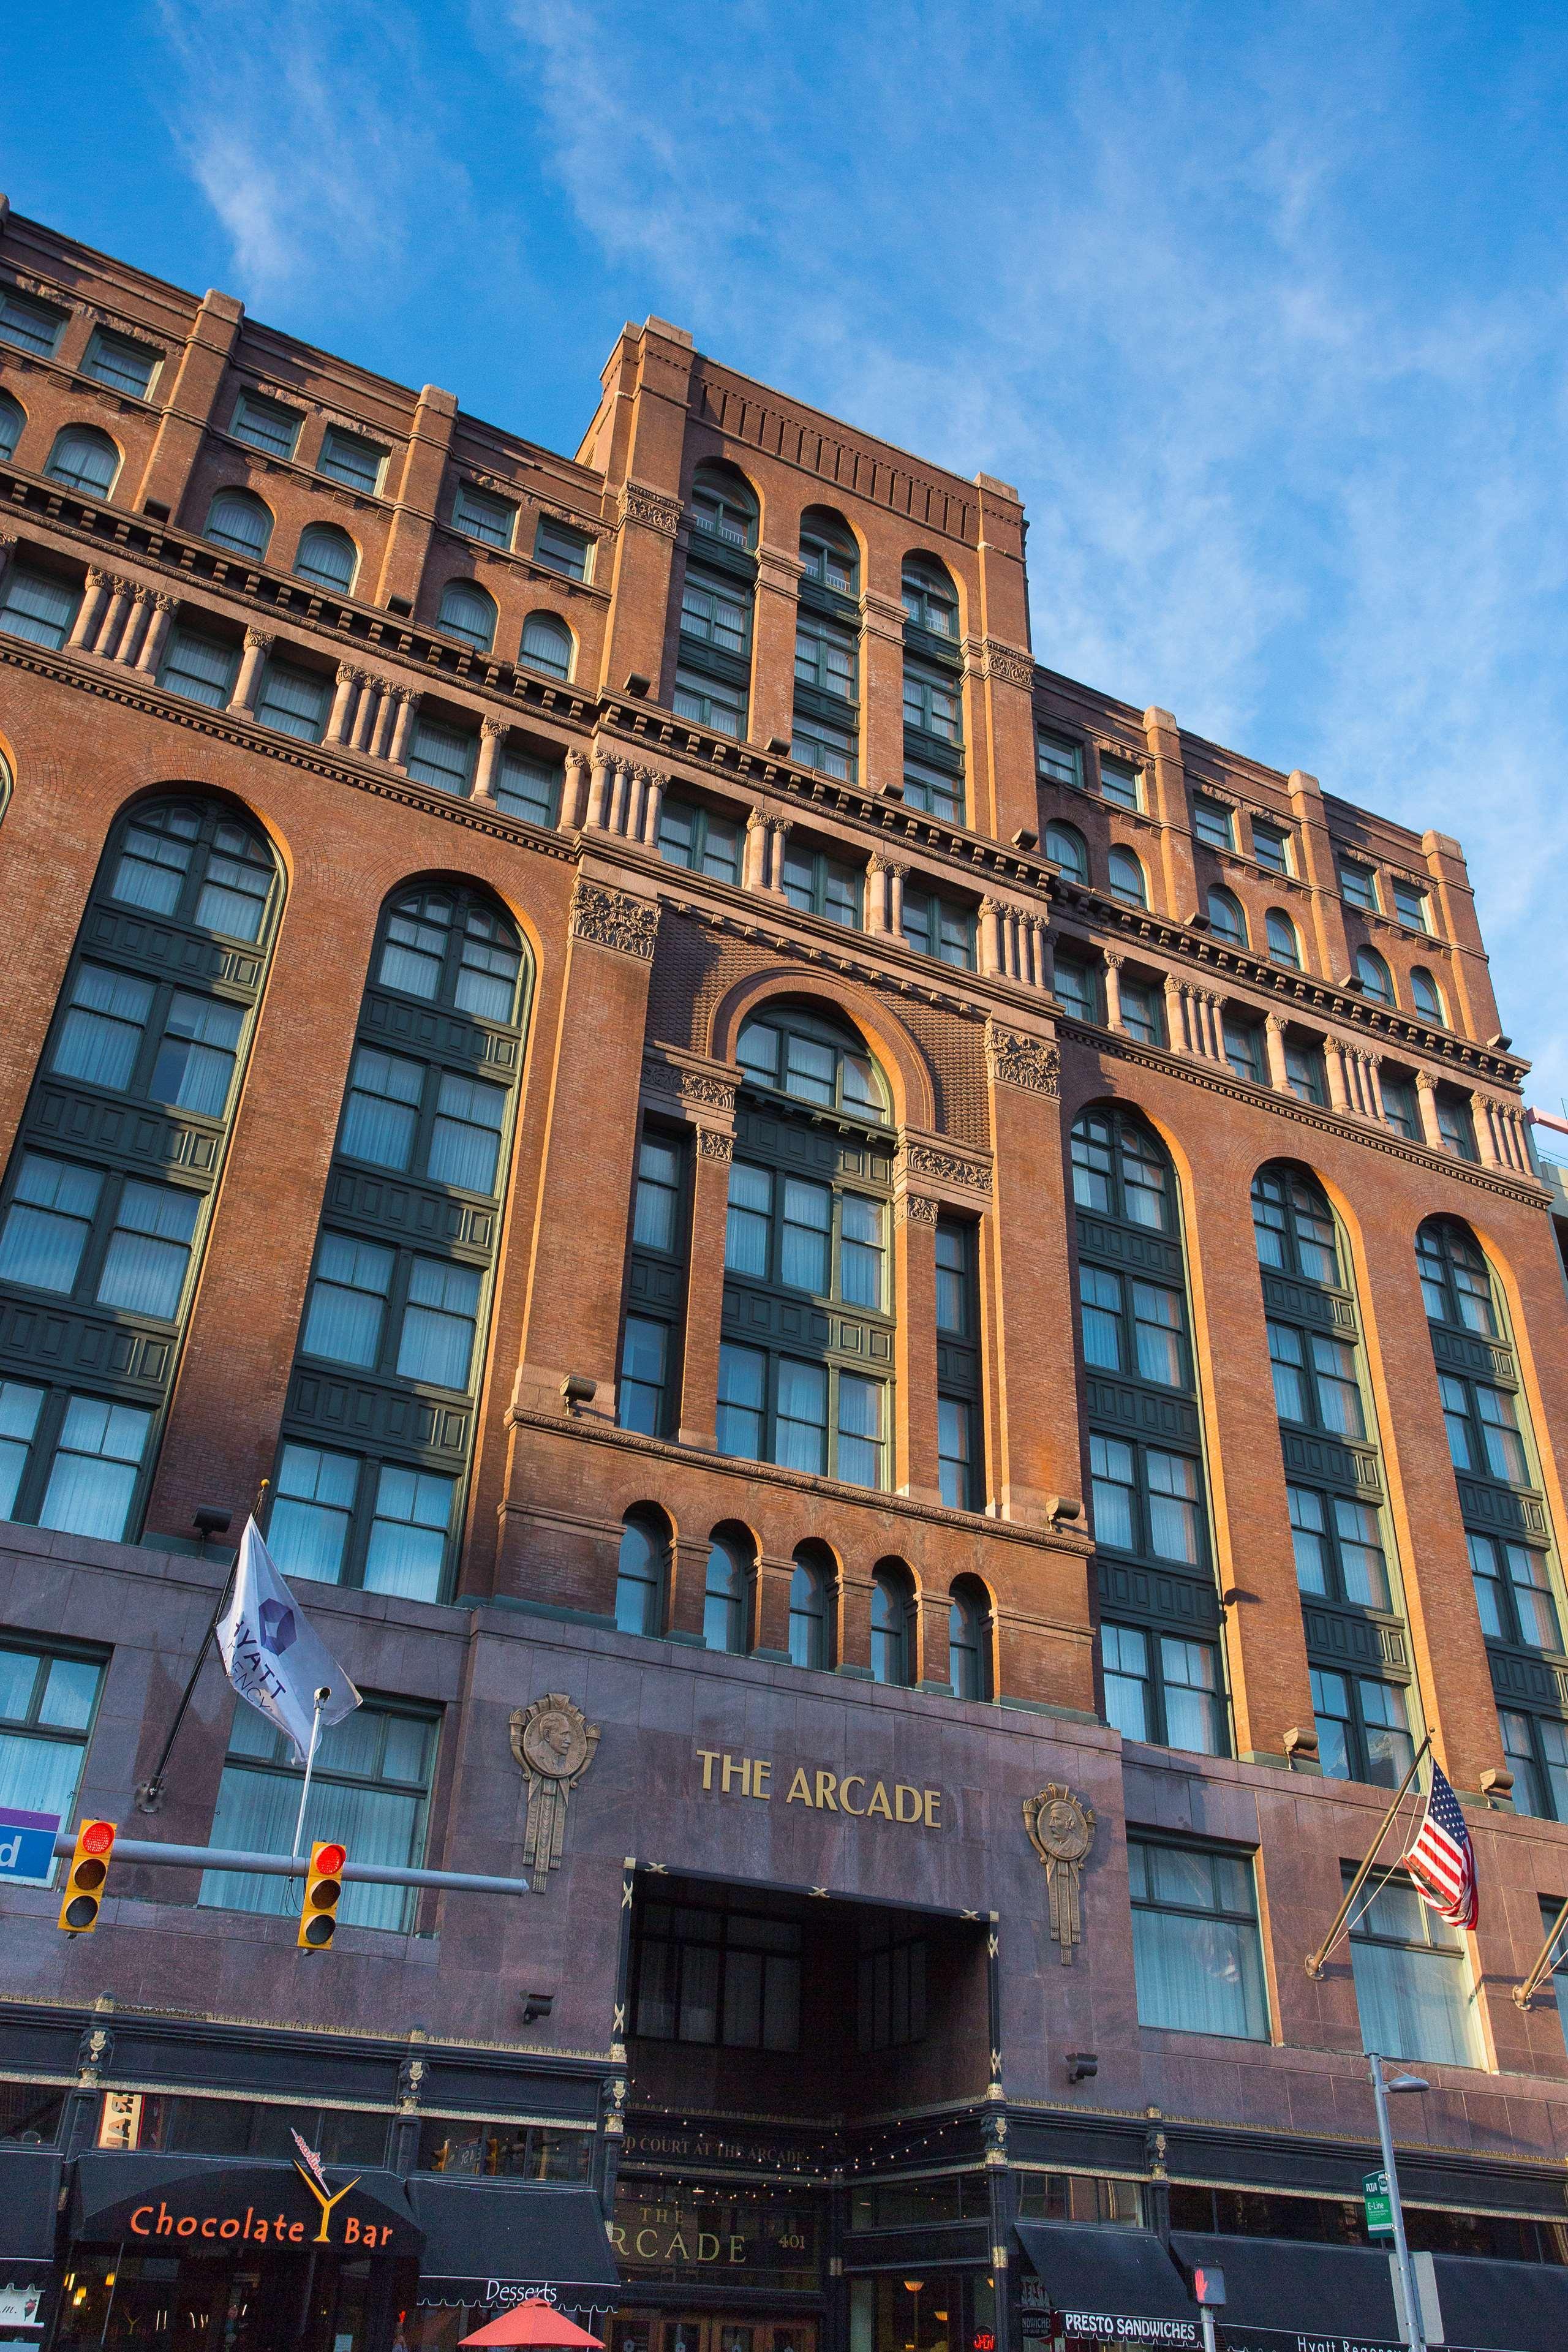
[[1346, 1564], [467, 612], [809, 1589], [930, 600], [967, 1640], [1284, 947], [328, 556], [237, 520], [830, 551], [85, 459], [378, 1427], [808, 1272], [892, 1607], [13, 416], [1147, 1496], [1374, 975], [713, 662], [1427, 997], [725, 1592], [547, 644], [106, 1205], [933, 692], [1065, 846], [1125, 873], [642, 1571], [1228, 921]]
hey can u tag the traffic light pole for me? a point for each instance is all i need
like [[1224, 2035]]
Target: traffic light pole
[[284, 1865]]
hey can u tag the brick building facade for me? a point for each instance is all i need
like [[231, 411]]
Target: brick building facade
[[745, 1159]]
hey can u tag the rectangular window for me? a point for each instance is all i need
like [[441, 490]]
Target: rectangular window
[[439, 1323], [934, 791], [1197, 1956], [656, 1218], [1456, 1418], [1120, 784], [825, 655], [1515, 1593], [1142, 1011], [1304, 1071], [1271, 847], [954, 1278], [713, 613], [382, 1109], [644, 1375], [860, 1433], [487, 2151], [369, 1789], [1500, 1434], [93, 1474], [148, 1252], [561, 549], [817, 743], [47, 1222], [816, 884], [48, 1698], [465, 1135], [1244, 1050], [704, 844], [1410, 903], [955, 1452], [196, 1055], [933, 702], [31, 326], [710, 702], [295, 701], [1129, 1690], [1076, 990], [203, 669], [1173, 1480], [1399, 1106], [722, 1978], [20, 1407], [801, 1418], [937, 927], [1060, 761], [890, 1994], [743, 1401], [266, 425], [1410, 1983], [37, 606], [528, 787], [1101, 1310], [1536, 1747], [442, 756], [749, 1224], [1455, 1125], [350, 460], [348, 1301], [123, 365], [1214, 824], [478, 516], [101, 1037], [1358, 886], [1363, 1726], [312, 1505], [862, 1251], [1111, 1489], [1189, 1689], [407, 1548]]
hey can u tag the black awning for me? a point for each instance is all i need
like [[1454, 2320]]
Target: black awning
[[487, 2242], [1503, 2306], [169, 2202], [1297, 2287], [30, 2209], [1106, 2281]]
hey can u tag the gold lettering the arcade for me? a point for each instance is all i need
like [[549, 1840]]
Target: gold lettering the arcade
[[828, 1792]]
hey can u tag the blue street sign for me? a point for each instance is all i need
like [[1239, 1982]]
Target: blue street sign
[[27, 1844]]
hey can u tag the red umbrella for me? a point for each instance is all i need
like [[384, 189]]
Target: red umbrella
[[533, 2322]]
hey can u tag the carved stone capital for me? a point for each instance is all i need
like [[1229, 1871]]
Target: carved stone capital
[[923, 1160], [651, 508], [577, 759], [164, 601], [260, 639], [1426, 1082], [492, 729], [1275, 1022], [1016, 1060], [346, 673], [916, 1209], [96, 576], [715, 1143], [1010, 664], [693, 1085], [614, 919], [403, 693]]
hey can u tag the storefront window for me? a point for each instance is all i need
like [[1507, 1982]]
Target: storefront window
[[502, 2151], [911, 2204], [922, 2311], [29, 2114], [1078, 2196], [238, 2128], [687, 2233]]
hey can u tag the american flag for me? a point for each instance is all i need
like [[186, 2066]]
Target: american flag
[[1442, 1861]]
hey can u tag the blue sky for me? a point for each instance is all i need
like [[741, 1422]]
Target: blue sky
[[1265, 310]]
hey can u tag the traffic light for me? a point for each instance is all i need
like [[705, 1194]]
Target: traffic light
[[85, 1879], [323, 1892]]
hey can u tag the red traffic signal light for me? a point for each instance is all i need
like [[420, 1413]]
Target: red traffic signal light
[[86, 1877], [323, 1891]]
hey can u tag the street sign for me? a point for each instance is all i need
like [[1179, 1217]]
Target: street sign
[[27, 1844], [1379, 2206]]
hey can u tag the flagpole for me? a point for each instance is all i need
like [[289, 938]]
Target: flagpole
[[149, 1794], [1315, 1960], [322, 1696], [1525, 1993]]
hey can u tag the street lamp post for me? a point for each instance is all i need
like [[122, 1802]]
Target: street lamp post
[[1382, 2089]]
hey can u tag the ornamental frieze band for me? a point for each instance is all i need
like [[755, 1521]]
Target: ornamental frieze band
[[1021, 1061], [614, 919]]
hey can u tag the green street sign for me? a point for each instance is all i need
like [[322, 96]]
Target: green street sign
[[1379, 2206]]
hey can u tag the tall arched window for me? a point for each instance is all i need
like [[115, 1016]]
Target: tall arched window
[[892, 1631], [107, 1202], [1374, 976], [328, 556], [1497, 1471], [547, 644], [468, 613], [1427, 997], [826, 729], [1228, 921], [13, 416], [933, 691], [1065, 846], [805, 1362], [378, 1430], [1160, 1629], [810, 1581], [1125, 871], [713, 669], [1284, 946], [1346, 1566], [968, 1665], [726, 1591], [239, 521], [642, 1571], [830, 551], [84, 459]]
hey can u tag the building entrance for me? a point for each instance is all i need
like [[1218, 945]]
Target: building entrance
[[648, 2331]]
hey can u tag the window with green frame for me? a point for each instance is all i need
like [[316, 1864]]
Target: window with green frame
[[107, 1202], [700, 839], [829, 552], [1197, 1956], [808, 1227], [655, 1286], [378, 1426], [716, 612], [50, 1693], [960, 1459], [719, 703], [1412, 1983], [814, 883], [936, 927]]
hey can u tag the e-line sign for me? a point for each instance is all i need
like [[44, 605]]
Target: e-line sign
[[1378, 2203]]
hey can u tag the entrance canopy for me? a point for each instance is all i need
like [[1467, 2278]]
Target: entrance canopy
[[1106, 2284], [1277, 2289], [488, 2243], [203, 2204]]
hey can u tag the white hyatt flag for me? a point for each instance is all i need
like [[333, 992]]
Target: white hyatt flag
[[272, 1657]]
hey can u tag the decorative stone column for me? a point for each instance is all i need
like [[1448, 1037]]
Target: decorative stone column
[[257, 645], [1113, 963], [1274, 1047], [136, 626], [990, 938], [90, 612], [407, 704], [1427, 1102], [896, 873], [1045, 956], [7, 550], [338, 716], [492, 734], [1177, 1036], [656, 784], [366, 714], [157, 636], [754, 859], [1333, 1062], [616, 819], [574, 791], [778, 844], [114, 619], [601, 790], [385, 720]]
